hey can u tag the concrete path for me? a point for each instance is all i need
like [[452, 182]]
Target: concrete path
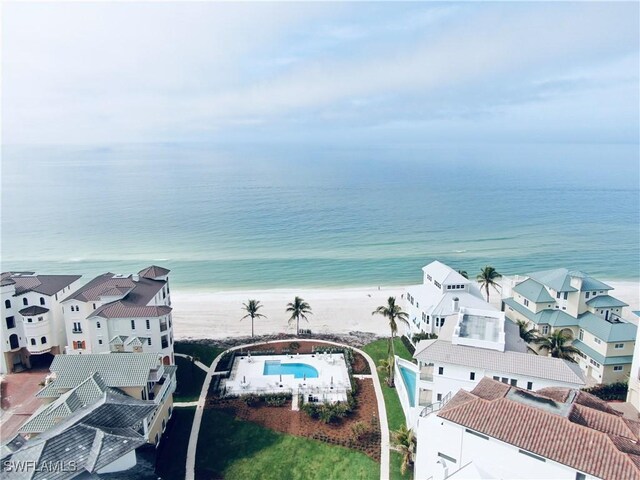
[[197, 362], [382, 411], [185, 404]]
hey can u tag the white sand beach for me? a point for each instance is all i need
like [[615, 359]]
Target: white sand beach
[[216, 314]]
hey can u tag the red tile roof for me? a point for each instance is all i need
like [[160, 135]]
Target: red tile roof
[[568, 426]]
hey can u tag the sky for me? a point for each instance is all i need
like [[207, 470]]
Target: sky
[[344, 73]]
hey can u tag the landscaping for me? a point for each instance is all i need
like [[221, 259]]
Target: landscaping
[[189, 378], [237, 449], [203, 352], [171, 455]]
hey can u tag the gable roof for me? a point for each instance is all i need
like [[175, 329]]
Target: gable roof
[[575, 431], [518, 363], [116, 369], [533, 291], [26, 282]]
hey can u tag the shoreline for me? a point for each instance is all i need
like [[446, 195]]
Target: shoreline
[[215, 314]]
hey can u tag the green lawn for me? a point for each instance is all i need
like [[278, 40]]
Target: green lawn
[[394, 468], [236, 449], [171, 455], [190, 379], [205, 353], [378, 350]]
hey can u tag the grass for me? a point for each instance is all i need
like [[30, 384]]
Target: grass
[[205, 353], [378, 350], [235, 449], [171, 456], [190, 379]]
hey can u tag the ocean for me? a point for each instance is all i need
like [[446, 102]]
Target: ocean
[[277, 216]]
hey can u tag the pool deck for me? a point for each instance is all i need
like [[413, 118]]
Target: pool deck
[[331, 384]]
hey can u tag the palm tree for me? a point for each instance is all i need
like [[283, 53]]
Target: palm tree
[[405, 441], [394, 313], [386, 366], [464, 274], [555, 344], [487, 277], [529, 335], [299, 309], [252, 307]]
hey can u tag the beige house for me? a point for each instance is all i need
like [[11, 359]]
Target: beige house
[[141, 376], [579, 305]]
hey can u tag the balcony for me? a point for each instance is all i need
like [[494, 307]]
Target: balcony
[[76, 330], [426, 374]]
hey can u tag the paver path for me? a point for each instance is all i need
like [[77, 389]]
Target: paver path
[[382, 411], [197, 362]]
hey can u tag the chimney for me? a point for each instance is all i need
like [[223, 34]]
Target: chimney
[[455, 304]]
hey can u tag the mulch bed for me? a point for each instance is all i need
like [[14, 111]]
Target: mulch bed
[[283, 419]]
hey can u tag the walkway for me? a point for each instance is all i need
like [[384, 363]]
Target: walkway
[[382, 411], [197, 362]]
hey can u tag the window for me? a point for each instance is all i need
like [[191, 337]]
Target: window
[[43, 340], [77, 328], [558, 295], [597, 340], [580, 476], [94, 306], [545, 329], [447, 457], [133, 324], [41, 300], [29, 320], [505, 380], [11, 322], [594, 363], [7, 303], [529, 454], [99, 341], [476, 434], [25, 301], [566, 295], [439, 397], [529, 385], [33, 341], [618, 346], [472, 376], [440, 370], [514, 382], [40, 319], [148, 323], [149, 341], [526, 302], [98, 325], [618, 368], [586, 295], [581, 334], [496, 378], [164, 341]]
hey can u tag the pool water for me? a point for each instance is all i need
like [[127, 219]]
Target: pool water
[[298, 370], [409, 379]]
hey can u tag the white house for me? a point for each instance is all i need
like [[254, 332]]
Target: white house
[[582, 307], [117, 313], [500, 431], [633, 396], [472, 345], [442, 292], [32, 326]]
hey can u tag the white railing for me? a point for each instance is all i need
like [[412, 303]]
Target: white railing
[[434, 407]]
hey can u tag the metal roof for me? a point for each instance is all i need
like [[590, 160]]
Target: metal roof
[[533, 291], [116, 369], [598, 357], [606, 301], [606, 330], [537, 366], [559, 279], [553, 317]]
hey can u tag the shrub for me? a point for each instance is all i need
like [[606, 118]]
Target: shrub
[[612, 391], [294, 346], [424, 336], [407, 343], [277, 399], [251, 399]]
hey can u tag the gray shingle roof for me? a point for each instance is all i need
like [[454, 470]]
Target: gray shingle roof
[[116, 369], [33, 310], [507, 362], [45, 284], [534, 291], [153, 272]]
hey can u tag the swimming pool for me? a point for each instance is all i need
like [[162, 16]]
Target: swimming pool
[[298, 370], [409, 379]]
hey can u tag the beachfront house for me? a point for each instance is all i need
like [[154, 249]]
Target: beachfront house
[[633, 395], [442, 292], [472, 345], [118, 313], [32, 327], [141, 376], [580, 306], [500, 431]]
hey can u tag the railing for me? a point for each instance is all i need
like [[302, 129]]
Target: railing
[[434, 407], [76, 330]]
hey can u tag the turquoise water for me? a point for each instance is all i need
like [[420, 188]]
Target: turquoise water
[[285, 216], [298, 370], [409, 379]]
